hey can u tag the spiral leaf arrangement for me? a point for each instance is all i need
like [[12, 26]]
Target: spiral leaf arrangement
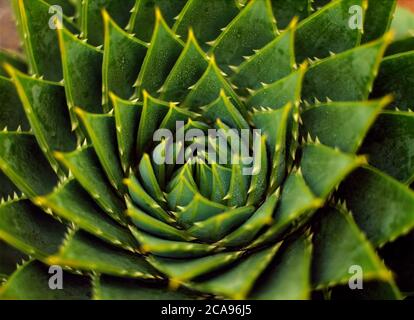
[[81, 189]]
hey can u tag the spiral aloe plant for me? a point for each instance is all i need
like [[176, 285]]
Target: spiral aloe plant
[[331, 190]]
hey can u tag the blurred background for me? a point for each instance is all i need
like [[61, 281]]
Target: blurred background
[[407, 3], [9, 37], [8, 34]]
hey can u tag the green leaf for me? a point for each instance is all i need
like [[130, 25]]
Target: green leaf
[[152, 114], [24, 164], [342, 125], [122, 60], [12, 113], [285, 10], [45, 106], [291, 205], [176, 114], [162, 54], [221, 182], [337, 35], [271, 63], [378, 18], [169, 153], [288, 275], [69, 7], [297, 203], [39, 39], [149, 180], [113, 288], [189, 67], [181, 194], [169, 248], [218, 226], [324, 168], [223, 109], [389, 145], [358, 69], [184, 173], [101, 129], [236, 282], [180, 270], [156, 227], [208, 88], [143, 19], [127, 116], [237, 194], [339, 245], [382, 207], [92, 24], [245, 233], [206, 18], [162, 151], [273, 124], [82, 251], [144, 200], [279, 93], [251, 29], [82, 72], [85, 167], [204, 178], [259, 179], [27, 228], [395, 77], [232, 144], [72, 203], [31, 282], [199, 209]]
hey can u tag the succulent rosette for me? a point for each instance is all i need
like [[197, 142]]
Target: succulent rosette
[[328, 201]]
